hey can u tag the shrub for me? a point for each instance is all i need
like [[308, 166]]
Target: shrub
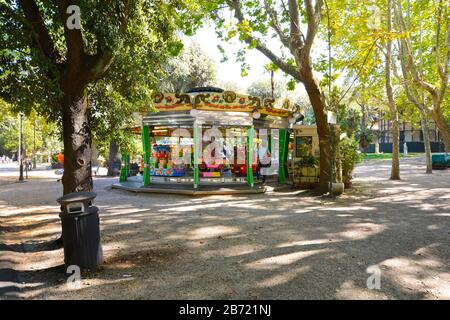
[[350, 157], [308, 161]]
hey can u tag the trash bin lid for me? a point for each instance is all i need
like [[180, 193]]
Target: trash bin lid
[[77, 197]]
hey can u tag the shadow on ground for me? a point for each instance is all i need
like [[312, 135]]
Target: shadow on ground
[[288, 245]]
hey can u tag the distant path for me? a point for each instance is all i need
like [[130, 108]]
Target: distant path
[[10, 172]]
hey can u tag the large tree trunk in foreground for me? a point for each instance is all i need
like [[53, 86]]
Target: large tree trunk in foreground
[[443, 126], [114, 157], [77, 144], [323, 131]]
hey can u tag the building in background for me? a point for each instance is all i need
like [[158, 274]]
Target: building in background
[[409, 133]]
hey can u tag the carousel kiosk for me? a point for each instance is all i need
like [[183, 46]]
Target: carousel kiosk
[[208, 136]]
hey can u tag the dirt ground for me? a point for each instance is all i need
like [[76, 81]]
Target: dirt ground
[[281, 245]]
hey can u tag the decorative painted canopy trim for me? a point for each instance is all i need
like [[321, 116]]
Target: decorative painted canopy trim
[[275, 112], [171, 102], [225, 107], [226, 101]]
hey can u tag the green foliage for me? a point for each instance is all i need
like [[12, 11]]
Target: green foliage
[[271, 67], [36, 132], [308, 161], [192, 68], [349, 157], [358, 38], [366, 137], [140, 33], [263, 88]]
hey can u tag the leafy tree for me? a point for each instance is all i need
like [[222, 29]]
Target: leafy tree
[[192, 68], [37, 132], [395, 169], [361, 38], [427, 70], [120, 94], [52, 52], [272, 68], [263, 88], [256, 21], [366, 97]]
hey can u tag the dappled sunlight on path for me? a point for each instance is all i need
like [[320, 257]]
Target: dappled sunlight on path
[[286, 245]]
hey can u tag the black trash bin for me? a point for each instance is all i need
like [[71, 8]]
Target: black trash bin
[[80, 230]]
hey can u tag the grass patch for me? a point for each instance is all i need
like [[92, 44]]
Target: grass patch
[[387, 156]]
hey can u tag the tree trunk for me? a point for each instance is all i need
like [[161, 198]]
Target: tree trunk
[[395, 170], [94, 153], [422, 110], [272, 83], [77, 143], [426, 139], [337, 155], [362, 138], [114, 158], [315, 97], [443, 126]]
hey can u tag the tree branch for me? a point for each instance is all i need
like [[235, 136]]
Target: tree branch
[[359, 71], [249, 39], [275, 23], [406, 42], [445, 68], [43, 39], [296, 37], [411, 93], [99, 63], [439, 66], [314, 18], [73, 37]]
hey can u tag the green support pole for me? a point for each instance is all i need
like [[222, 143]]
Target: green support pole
[[196, 150], [128, 165], [123, 170], [250, 137], [146, 147], [269, 138], [283, 146], [121, 173]]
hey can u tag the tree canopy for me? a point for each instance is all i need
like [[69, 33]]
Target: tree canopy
[[54, 52], [133, 37], [191, 68]]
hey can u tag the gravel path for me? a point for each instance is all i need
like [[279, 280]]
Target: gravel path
[[287, 245]]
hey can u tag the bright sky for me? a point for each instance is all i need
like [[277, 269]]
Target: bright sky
[[230, 71]]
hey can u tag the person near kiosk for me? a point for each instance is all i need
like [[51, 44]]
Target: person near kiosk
[[264, 161]]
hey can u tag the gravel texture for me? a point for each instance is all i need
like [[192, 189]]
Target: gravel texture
[[281, 245]]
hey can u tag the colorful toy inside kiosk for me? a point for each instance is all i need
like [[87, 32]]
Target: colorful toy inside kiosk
[[208, 136]]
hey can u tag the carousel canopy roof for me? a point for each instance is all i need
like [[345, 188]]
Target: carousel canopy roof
[[205, 89], [212, 104], [213, 99]]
